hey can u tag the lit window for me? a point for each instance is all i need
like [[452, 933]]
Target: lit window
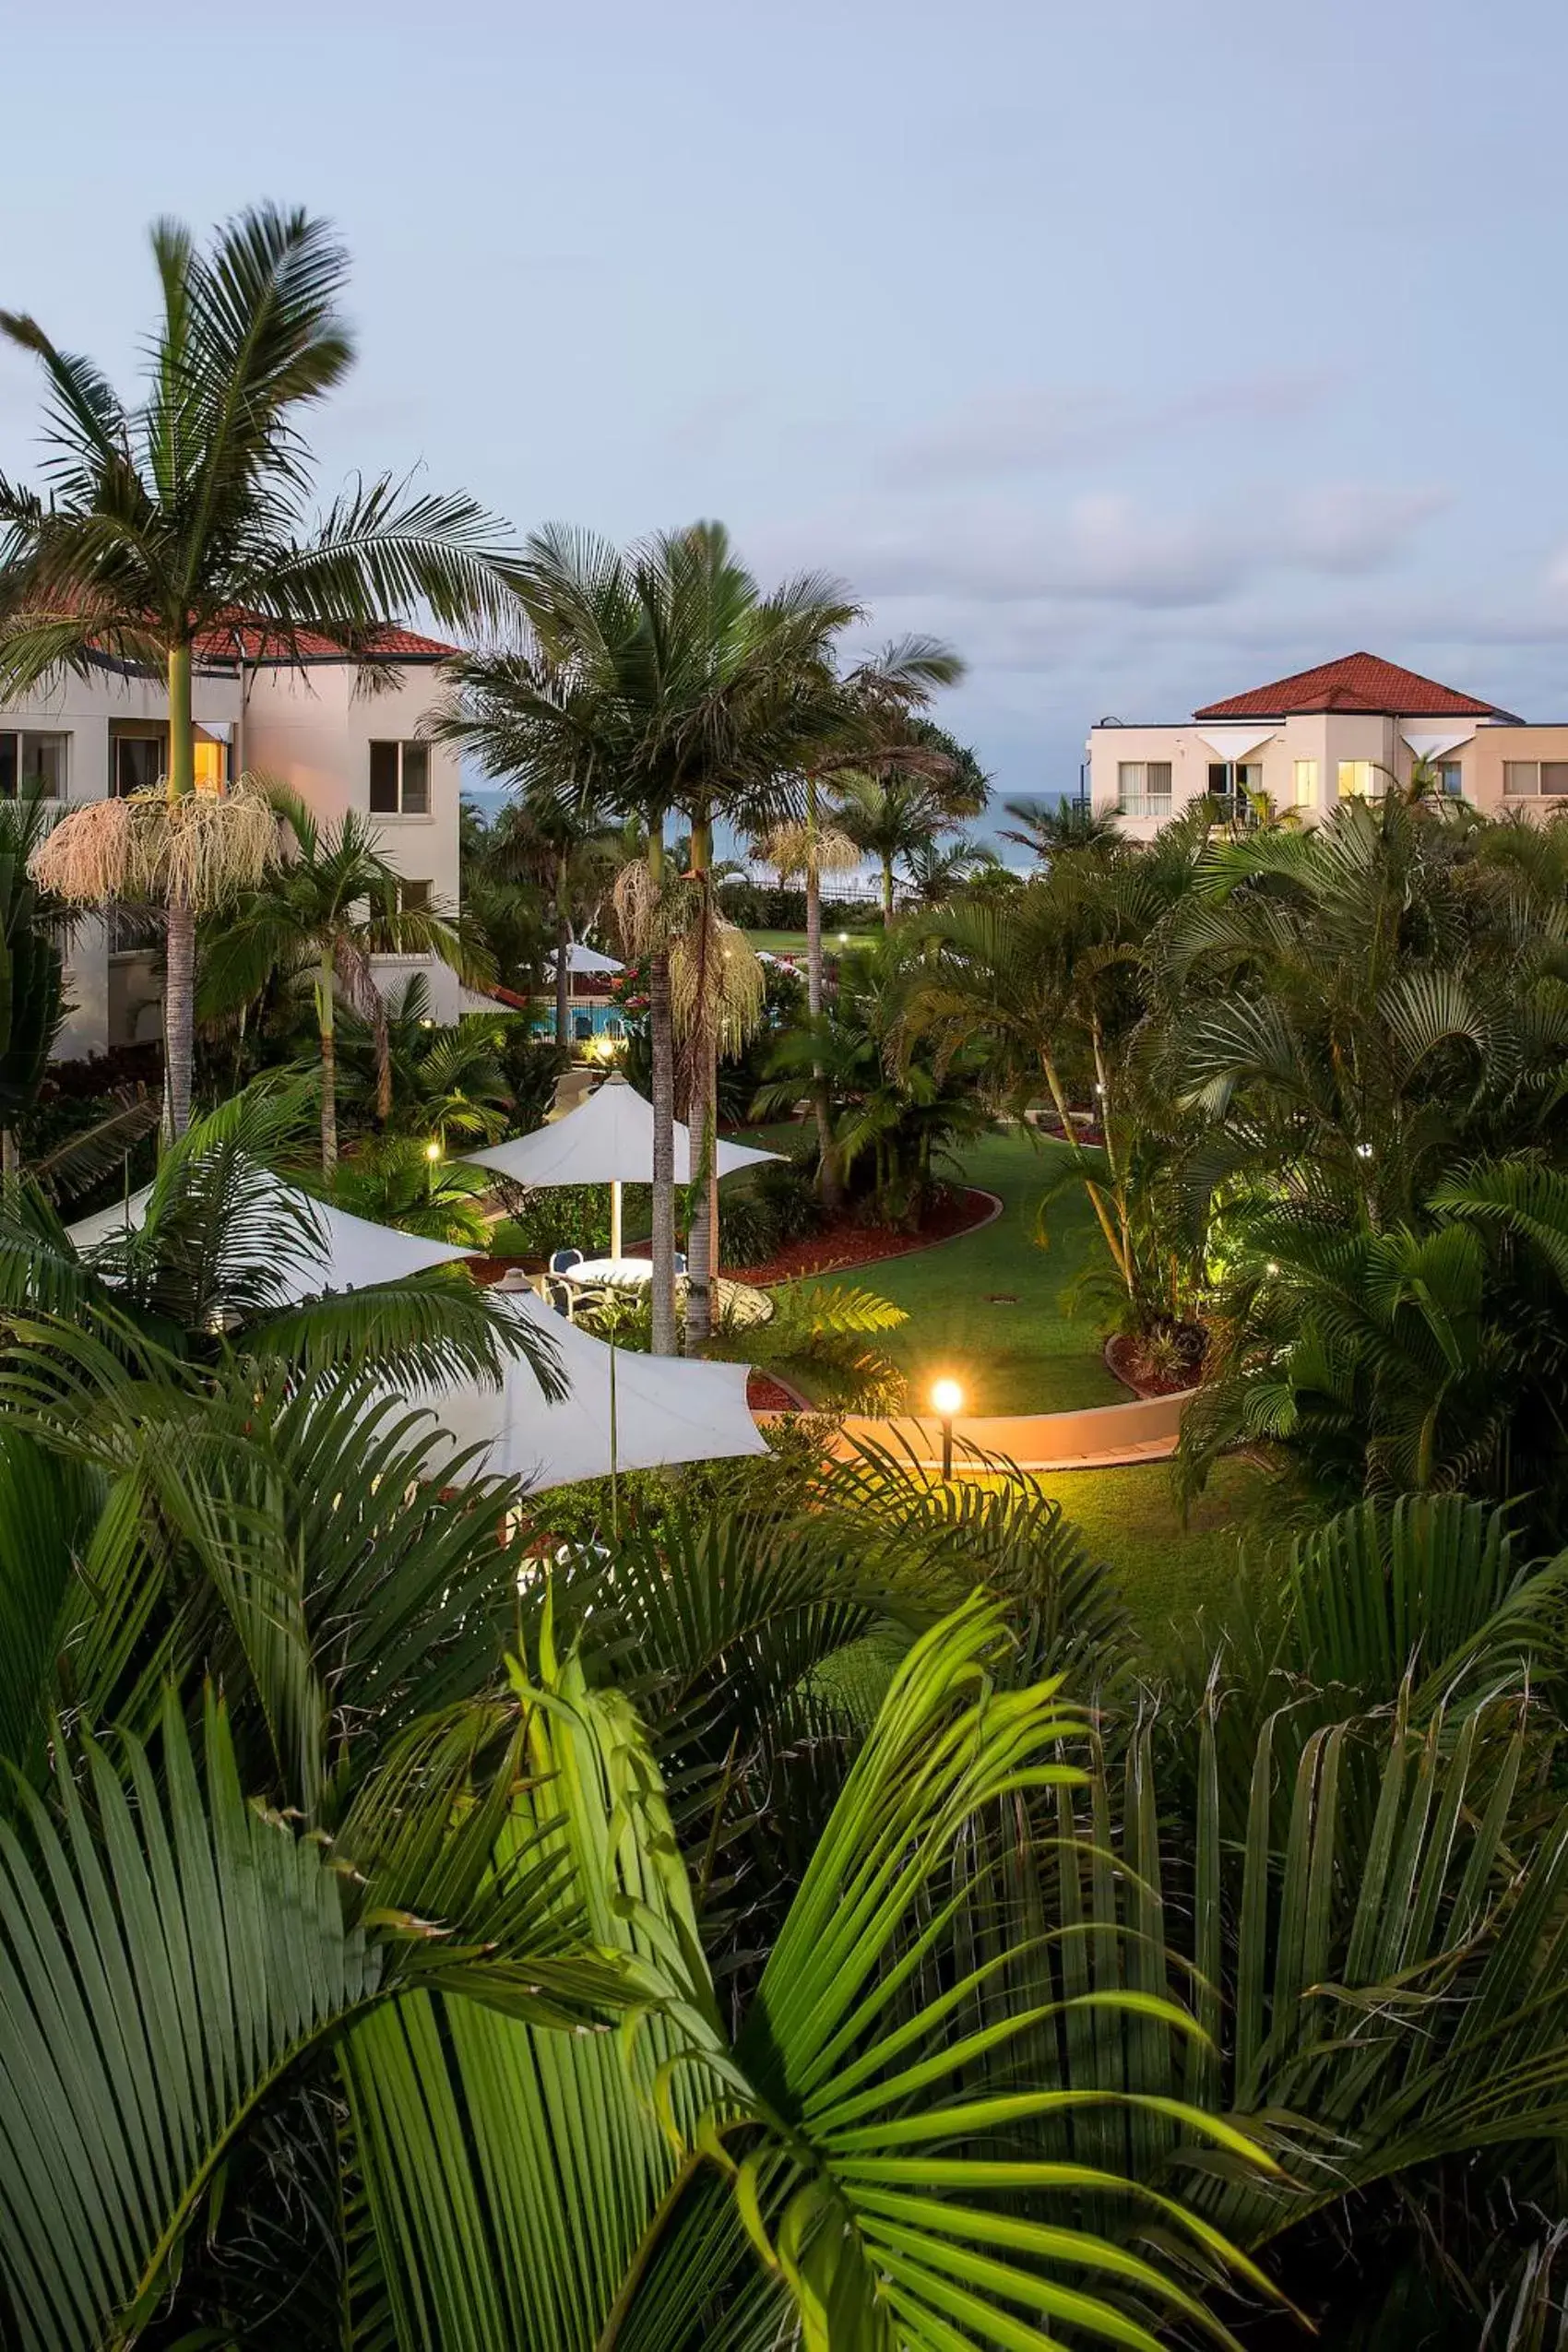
[[1306, 783], [34, 764], [211, 765], [399, 780], [1359, 779]]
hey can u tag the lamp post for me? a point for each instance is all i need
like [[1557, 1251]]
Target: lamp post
[[947, 1399], [431, 1154]]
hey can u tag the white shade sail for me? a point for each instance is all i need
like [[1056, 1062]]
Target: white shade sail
[[607, 1140], [585, 959], [1234, 743], [333, 1251], [666, 1412], [1432, 743]]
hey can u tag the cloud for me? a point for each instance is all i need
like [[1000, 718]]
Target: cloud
[[1356, 527], [1107, 547], [1035, 429]]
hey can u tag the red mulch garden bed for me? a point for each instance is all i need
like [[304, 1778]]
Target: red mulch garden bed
[[766, 1394], [847, 1246]]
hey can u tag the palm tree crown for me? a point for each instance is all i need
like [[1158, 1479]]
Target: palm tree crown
[[157, 522]]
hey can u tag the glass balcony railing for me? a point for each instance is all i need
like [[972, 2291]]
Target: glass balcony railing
[[1155, 804]]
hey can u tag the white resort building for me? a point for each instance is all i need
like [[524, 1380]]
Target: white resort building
[[1337, 732], [339, 742]]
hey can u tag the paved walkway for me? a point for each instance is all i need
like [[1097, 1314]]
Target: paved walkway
[[1095, 1437]]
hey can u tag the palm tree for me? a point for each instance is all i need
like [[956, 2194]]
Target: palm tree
[[1053, 977], [890, 817], [397, 1183], [868, 716], [214, 1266], [660, 681], [328, 1963], [446, 1078], [554, 837], [896, 1106], [1047, 827], [160, 521], [937, 871], [334, 905]]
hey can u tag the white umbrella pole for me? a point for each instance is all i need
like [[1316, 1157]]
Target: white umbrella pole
[[615, 1220], [614, 1447]]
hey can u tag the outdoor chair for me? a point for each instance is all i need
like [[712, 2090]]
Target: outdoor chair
[[560, 1295], [565, 1258]]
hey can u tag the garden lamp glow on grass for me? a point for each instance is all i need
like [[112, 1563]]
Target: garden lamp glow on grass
[[947, 1399]]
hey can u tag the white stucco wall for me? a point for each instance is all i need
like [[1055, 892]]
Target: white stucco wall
[[1325, 737], [311, 730]]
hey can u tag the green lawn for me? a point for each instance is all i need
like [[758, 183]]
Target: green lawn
[[985, 1309], [794, 943], [1165, 1572]]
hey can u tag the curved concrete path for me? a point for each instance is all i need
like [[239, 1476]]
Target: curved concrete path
[[1095, 1437]]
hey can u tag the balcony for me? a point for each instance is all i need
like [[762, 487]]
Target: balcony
[[1148, 804]]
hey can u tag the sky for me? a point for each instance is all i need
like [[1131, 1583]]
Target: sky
[[1143, 352]]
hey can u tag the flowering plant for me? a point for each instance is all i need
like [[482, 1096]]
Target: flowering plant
[[629, 988]]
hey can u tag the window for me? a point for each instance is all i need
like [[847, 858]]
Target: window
[[1359, 779], [1306, 783], [413, 897], [1530, 778], [32, 764], [1451, 778], [399, 780], [211, 763], [137, 762], [138, 758], [1142, 787]]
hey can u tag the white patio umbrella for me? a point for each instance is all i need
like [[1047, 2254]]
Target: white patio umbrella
[[607, 1140], [585, 959], [621, 1410], [334, 1252]]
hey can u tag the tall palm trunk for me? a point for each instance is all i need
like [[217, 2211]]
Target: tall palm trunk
[[886, 890], [179, 977], [828, 1184], [702, 1241], [661, 1040], [563, 957], [325, 1021], [10, 1157]]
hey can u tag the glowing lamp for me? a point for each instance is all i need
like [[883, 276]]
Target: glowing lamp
[[947, 1399]]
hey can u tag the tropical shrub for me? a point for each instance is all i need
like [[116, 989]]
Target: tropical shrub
[[556, 1216], [896, 1104], [764, 1208]]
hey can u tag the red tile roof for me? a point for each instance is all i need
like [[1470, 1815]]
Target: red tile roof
[[260, 644], [1356, 682]]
